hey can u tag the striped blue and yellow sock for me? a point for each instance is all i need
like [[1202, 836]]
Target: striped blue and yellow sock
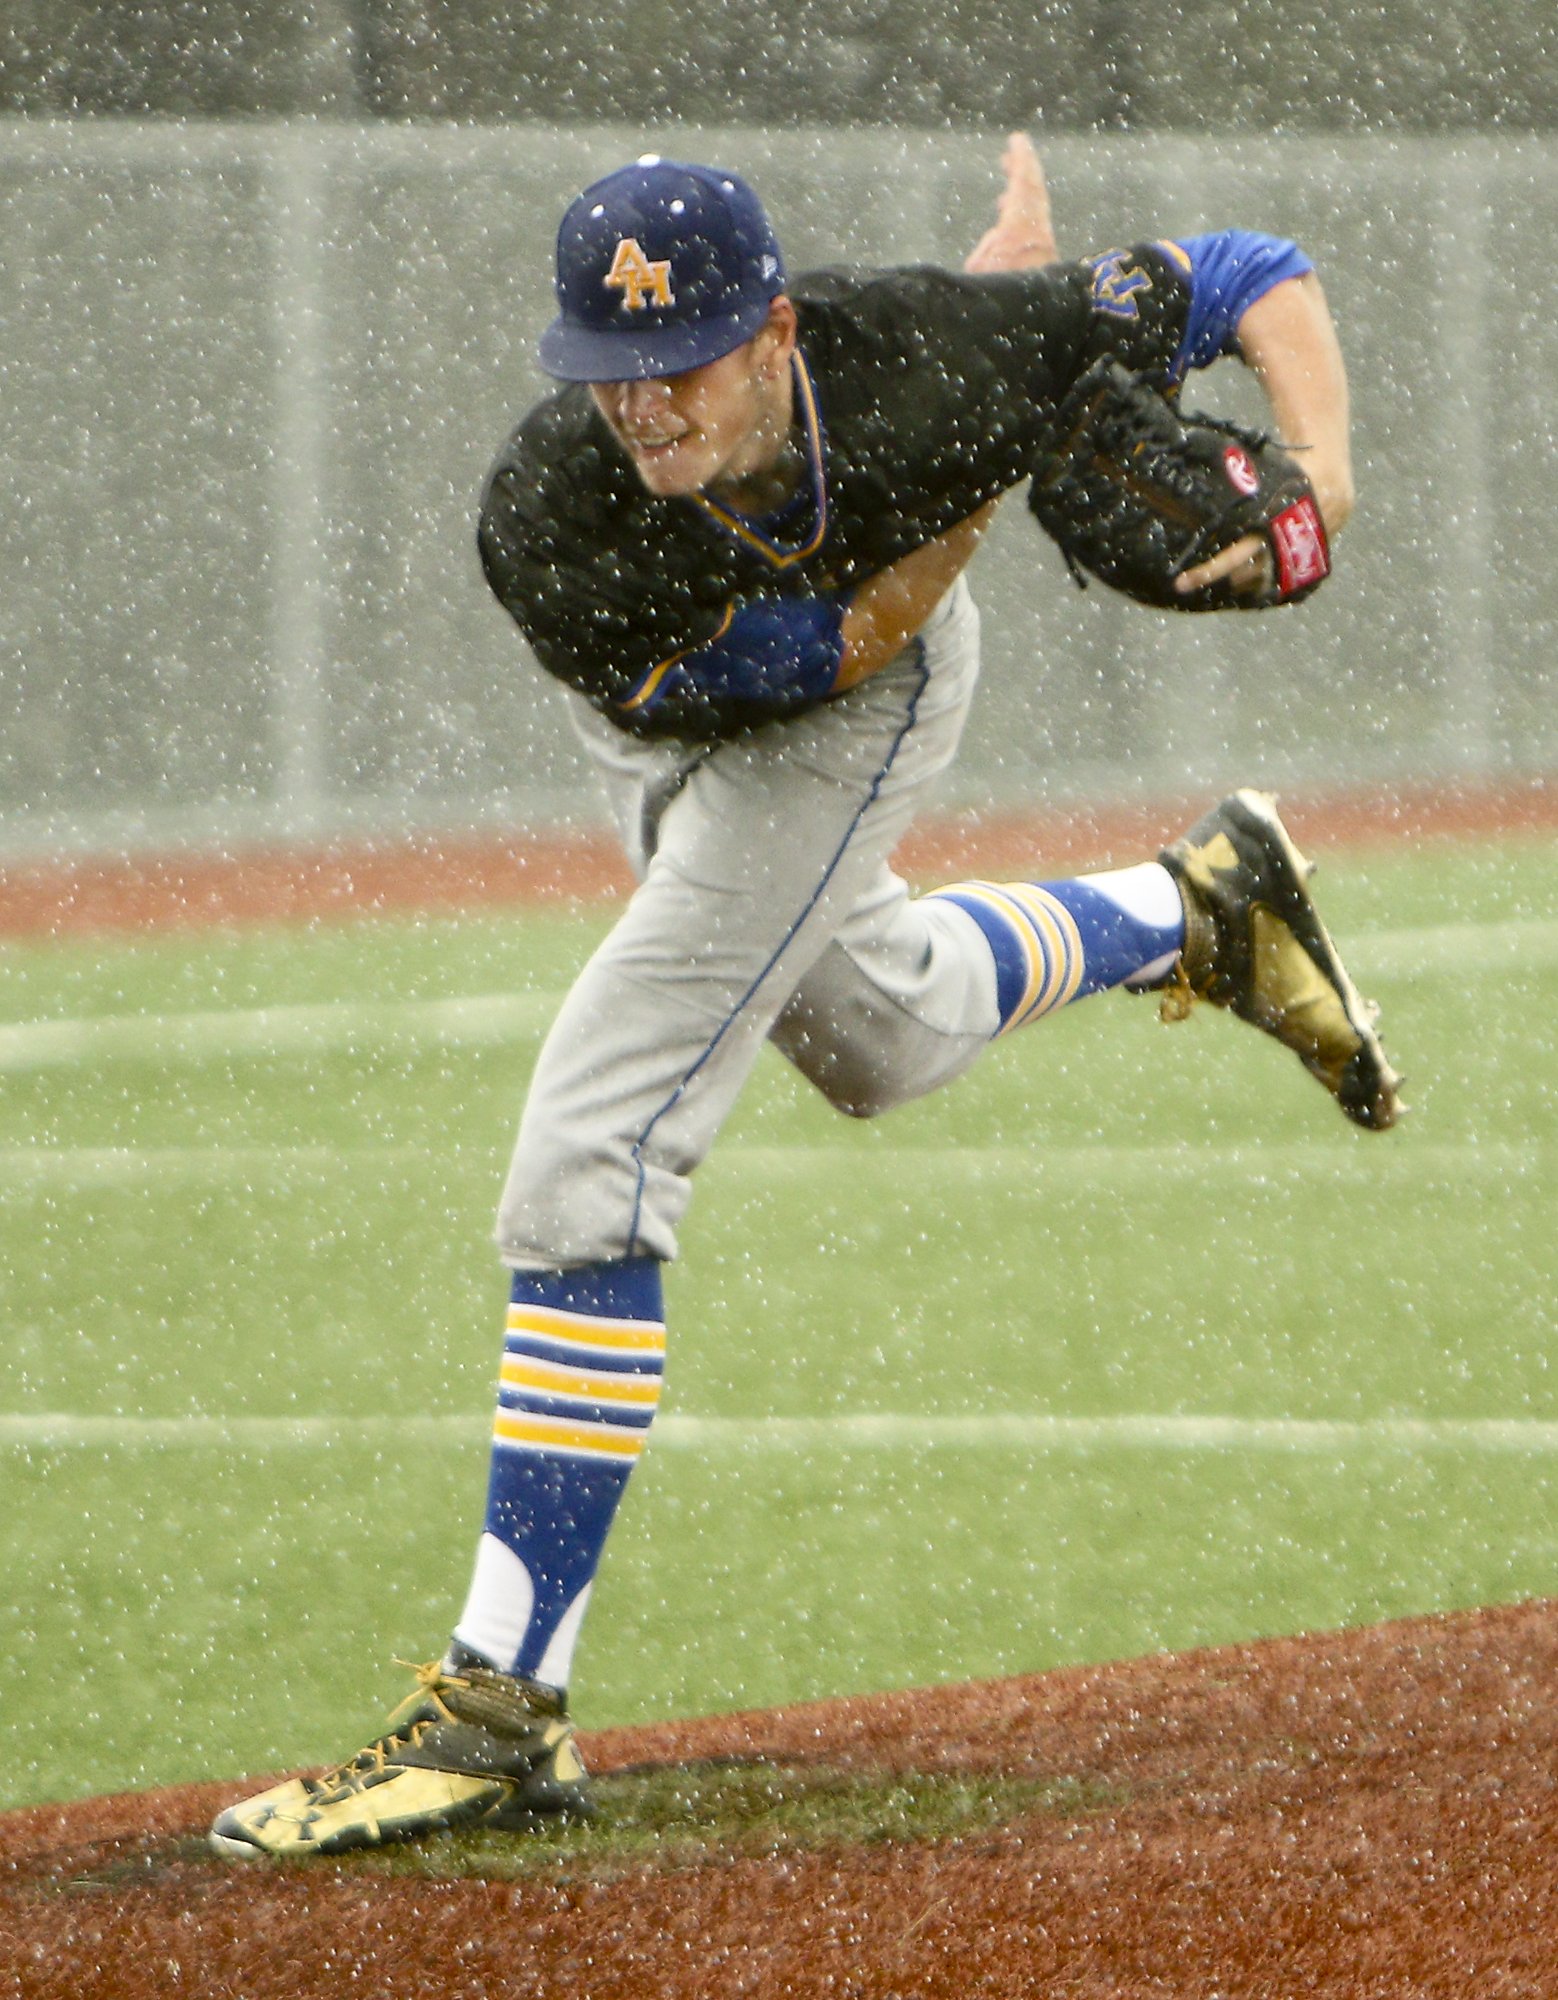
[[582, 1366], [1054, 942]]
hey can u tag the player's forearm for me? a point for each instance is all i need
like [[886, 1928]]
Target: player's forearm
[[1289, 339], [889, 608]]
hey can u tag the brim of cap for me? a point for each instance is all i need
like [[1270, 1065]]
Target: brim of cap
[[589, 354]]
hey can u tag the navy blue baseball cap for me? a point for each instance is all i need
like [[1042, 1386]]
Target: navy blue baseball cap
[[661, 267]]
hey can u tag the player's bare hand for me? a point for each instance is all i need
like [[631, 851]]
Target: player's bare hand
[[1246, 563], [1023, 238]]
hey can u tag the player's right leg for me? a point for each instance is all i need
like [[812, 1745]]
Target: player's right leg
[[912, 990]]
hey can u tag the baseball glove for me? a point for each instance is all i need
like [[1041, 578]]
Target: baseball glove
[[1136, 492]]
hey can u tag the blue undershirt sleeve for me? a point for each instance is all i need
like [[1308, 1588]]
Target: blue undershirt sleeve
[[778, 654], [1229, 270]]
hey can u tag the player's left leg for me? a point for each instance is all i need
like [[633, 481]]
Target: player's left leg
[[468, 1747], [486, 1739], [753, 852]]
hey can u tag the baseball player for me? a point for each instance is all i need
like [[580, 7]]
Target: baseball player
[[736, 535]]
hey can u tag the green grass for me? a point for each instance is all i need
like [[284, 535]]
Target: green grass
[[701, 1812], [1106, 1219]]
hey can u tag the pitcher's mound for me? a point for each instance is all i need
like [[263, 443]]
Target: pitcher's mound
[[1367, 1813]]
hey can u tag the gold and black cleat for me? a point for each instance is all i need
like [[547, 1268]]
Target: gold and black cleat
[[1254, 943], [469, 1747]]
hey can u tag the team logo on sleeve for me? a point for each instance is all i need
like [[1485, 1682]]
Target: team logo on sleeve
[[1117, 282], [640, 282]]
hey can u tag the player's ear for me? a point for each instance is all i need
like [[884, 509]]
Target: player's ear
[[775, 339]]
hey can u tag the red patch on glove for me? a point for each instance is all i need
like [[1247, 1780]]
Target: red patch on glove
[[1302, 552]]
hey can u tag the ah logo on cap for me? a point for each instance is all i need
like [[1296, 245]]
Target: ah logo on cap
[[635, 276], [662, 266]]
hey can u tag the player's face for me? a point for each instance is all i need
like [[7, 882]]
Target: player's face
[[711, 426]]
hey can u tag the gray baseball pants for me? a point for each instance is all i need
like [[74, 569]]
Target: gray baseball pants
[[767, 908]]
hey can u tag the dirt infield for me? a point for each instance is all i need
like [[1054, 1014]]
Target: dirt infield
[[139, 892], [1369, 1814]]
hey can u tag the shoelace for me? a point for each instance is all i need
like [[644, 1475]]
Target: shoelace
[[1176, 999], [371, 1761], [431, 1675]]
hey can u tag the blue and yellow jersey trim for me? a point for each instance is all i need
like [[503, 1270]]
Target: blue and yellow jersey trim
[[649, 686]]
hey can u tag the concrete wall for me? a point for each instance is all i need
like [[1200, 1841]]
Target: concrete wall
[[1215, 66], [252, 375]]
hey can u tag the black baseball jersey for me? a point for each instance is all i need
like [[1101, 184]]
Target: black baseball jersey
[[922, 392]]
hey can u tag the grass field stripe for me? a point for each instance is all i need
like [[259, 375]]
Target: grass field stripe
[[1042, 1431], [325, 1028], [754, 1436], [26, 1167], [1347, 1157], [1511, 944], [120, 1166], [1515, 944]]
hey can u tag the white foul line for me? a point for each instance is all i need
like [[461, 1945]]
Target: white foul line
[[753, 1435]]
